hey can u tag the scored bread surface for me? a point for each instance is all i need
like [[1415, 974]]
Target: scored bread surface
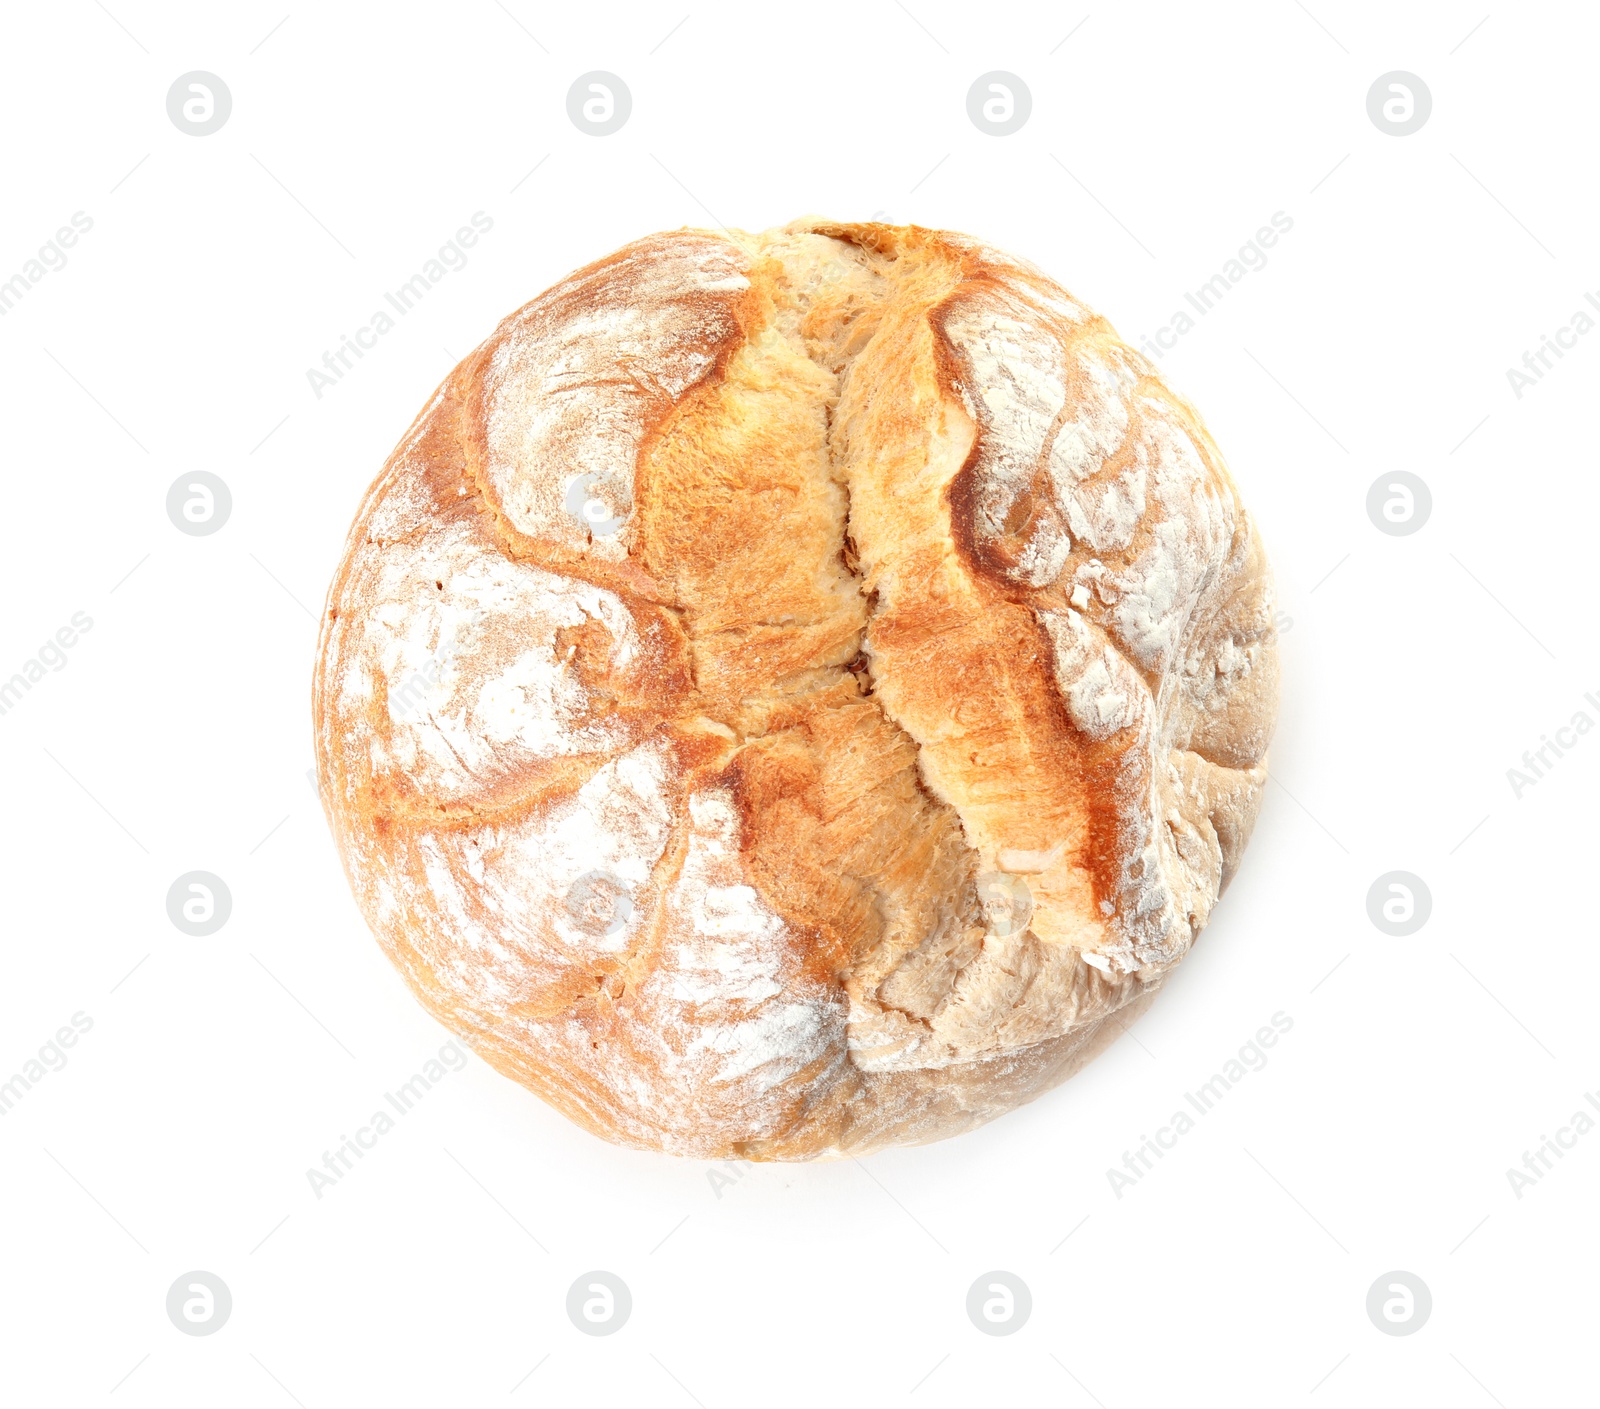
[[796, 693]]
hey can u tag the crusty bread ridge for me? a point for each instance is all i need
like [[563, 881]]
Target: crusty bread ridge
[[794, 693]]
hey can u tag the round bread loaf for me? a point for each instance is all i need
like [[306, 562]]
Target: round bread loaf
[[790, 694]]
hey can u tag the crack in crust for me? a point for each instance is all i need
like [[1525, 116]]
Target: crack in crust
[[831, 663]]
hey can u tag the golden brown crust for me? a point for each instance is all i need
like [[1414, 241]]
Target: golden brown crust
[[796, 693]]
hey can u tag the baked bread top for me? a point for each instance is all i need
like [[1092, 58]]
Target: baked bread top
[[788, 692]]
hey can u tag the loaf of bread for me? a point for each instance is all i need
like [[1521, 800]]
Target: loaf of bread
[[790, 694]]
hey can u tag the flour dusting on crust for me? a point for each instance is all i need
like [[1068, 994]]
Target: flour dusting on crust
[[797, 693]]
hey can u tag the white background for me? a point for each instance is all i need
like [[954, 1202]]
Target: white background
[[1417, 671]]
